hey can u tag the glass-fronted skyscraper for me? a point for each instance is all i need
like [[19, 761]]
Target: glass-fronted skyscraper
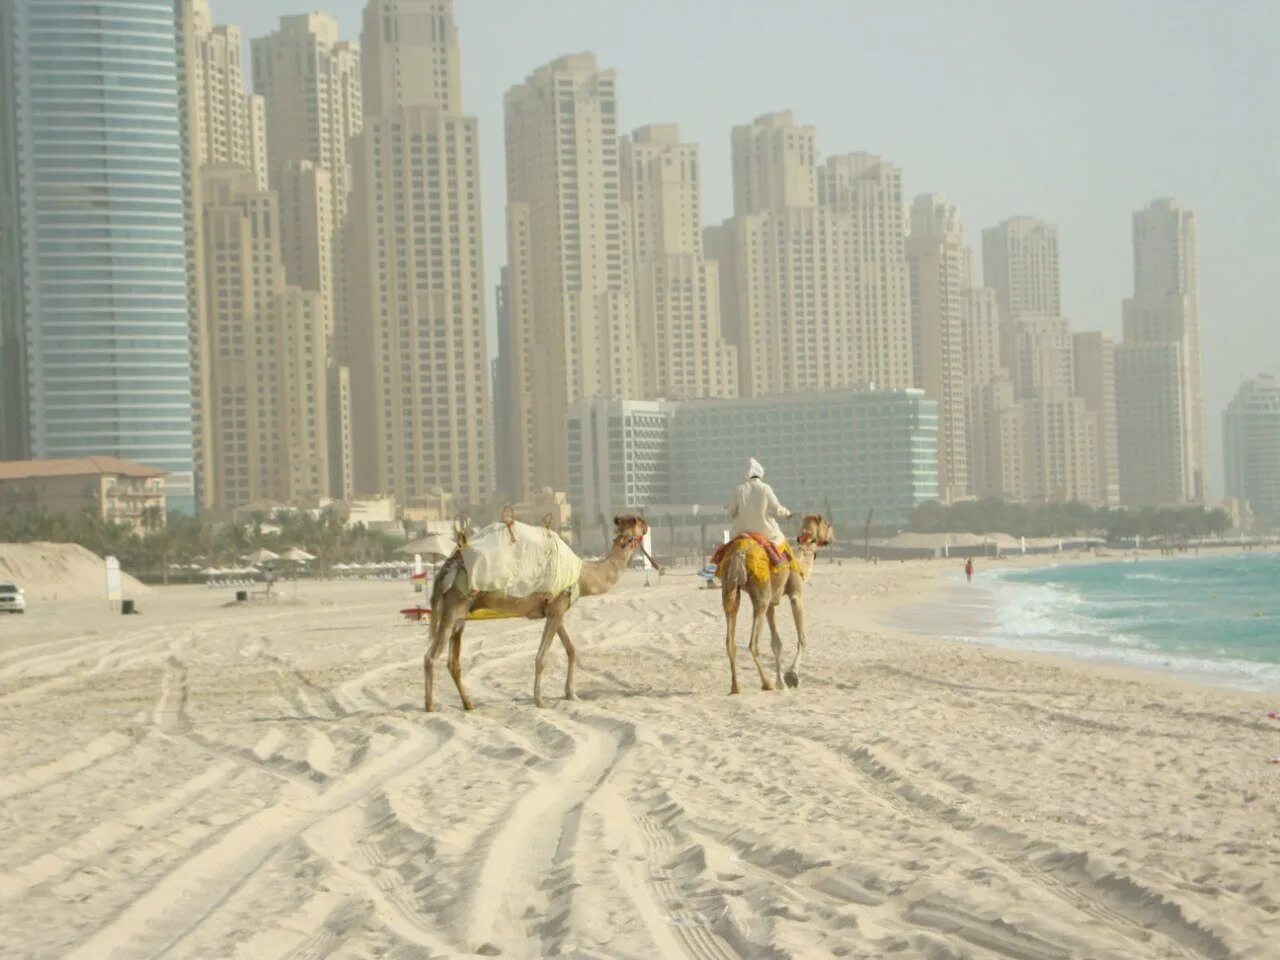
[[94, 342]]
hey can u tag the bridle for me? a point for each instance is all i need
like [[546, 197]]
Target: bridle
[[804, 538], [632, 543]]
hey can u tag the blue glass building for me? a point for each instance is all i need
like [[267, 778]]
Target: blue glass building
[[94, 337]]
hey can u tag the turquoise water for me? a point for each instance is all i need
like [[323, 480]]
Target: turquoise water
[[1215, 617]]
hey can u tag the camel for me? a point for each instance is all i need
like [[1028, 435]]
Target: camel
[[449, 609], [815, 532]]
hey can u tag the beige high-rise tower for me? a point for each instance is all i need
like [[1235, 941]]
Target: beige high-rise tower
[[1095, 380], [774, 164], [570, 316], [266, 393], [869, 190], [677, 290], [190, 20], [1020, 262], [1062, 436], [1163, 311], [232, 125], [420, 371], [993, 418], [814, 276], [309, 79], [310, 82], [939, 270]]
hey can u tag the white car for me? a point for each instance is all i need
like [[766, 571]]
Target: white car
[[12, 599]]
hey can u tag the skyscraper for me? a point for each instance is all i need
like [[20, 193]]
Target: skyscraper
[[1059, 439], [1251, 448], [420, 372], [939, 270], [1164, 310], [677, 290], [995, 445], [1151, 421], [94, 350], [570, 312], [1095, 382], [775, 161], [814, 288], [230, 126], [268, 421], [1020, 262], [310, 81], [869, 190]]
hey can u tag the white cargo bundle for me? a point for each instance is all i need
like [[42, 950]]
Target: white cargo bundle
[[520, 561]]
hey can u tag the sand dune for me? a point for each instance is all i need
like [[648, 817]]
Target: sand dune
[[261, 783], [59, 572]]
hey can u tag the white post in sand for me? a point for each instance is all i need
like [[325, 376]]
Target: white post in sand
[[113, 580], [647, 542]]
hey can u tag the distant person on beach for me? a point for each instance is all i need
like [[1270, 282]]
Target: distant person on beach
[[268, 578], [754, 506], [968, 569]]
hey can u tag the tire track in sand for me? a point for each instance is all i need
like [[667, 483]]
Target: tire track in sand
[[1118, 903], [192, 891]]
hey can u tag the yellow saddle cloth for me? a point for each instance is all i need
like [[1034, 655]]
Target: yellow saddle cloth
[[759, 567]]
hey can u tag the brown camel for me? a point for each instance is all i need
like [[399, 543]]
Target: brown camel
[[815, 532], [449, 609]]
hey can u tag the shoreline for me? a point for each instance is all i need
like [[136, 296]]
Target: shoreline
[[947, 611]]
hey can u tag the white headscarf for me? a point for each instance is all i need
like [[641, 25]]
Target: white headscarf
[[754, 469]]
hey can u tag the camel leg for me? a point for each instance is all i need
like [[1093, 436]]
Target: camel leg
[[758, 607], [445, 626], [548, 634], [571, 652], [797, 611], [455, 663], [731, 599], [775, 641]]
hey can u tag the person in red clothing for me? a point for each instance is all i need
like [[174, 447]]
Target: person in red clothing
[[968, 569]]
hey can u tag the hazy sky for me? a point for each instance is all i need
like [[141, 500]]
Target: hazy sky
[[1078, 113]]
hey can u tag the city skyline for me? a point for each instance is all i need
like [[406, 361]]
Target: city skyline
[[332, 344], [1083, 161]]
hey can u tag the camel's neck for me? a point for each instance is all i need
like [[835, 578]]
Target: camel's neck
[[806, 553], [600, 576]]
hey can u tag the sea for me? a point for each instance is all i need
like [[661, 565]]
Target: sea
[[1213, 618]]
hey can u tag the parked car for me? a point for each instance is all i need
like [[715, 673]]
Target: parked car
[[12, 599]]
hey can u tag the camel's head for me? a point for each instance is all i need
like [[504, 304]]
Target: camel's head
[[629, 530], [817, 531]]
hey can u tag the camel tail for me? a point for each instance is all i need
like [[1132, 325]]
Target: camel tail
[[735, 571]]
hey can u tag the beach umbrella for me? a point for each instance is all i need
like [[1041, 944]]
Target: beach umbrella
[[259, 556], [341, 566], [295, 555], [433, 545], [210, 572]]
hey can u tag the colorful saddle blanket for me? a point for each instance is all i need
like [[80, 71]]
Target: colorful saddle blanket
[[768, 559]]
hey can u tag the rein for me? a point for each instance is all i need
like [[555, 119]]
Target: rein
[[638, 542]]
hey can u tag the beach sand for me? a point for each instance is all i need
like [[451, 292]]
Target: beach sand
[[260, 782]]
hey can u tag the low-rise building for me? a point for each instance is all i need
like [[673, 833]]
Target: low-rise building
[[118, 491], [843, 452]]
